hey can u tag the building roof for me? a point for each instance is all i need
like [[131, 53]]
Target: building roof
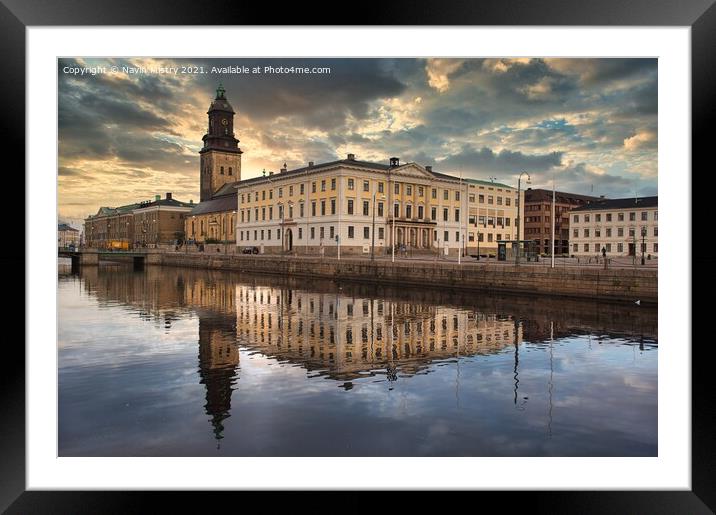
[[65, 227], [619, 203], [544, 195], [297, 171], [487, 183], [163, 202], [222, 203]]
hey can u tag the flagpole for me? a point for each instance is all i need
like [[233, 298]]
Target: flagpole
[[553, 209]]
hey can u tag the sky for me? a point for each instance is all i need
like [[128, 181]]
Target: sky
[[588, 124]]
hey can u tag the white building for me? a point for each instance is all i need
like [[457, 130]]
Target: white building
[[623, 227]]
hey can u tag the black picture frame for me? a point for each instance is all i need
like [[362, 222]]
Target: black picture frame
[[700, 15]]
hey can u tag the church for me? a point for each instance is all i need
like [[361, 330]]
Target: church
[[213, 219]]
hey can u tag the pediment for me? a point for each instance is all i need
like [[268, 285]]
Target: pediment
[[412, 170]]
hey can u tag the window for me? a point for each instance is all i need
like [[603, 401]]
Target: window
[[270, 194], [575, 248], [420, 212], [262, 235], [576, 219], [221, 170], [620, 247], [302, 189], [313, 208], [290, 191], [231, 172], [643, 216], [446, 195], [489, 237], [507, 222], [333, 184], [256, 198], [490, 199], [586, 247], [323, 185], [471, 198], [263, 195], [302, 210], [609, 247], [380, 209], [269, 234], [323, 208], [656, 216], [381, 233], [597, 248], [632, 217], [609, 232], [609, 217], [586, 233], [280, 193], [598, 217], [457, 215], [620, 231], [270, 212], [380, 187], [445, 236], [420, 191], [397, 189], [434, 193], [366, 208], [457, 195], [396, 210], [321, 232], [656, 247], [656, 231], [366, 232], [586, 218], [350, 206], [351, 231], [480, 236], [597, 233], [408, 211], [620, 217], [351, 184], [242, 220], [631, 232], [313, 187], [300, 232], [433, 213], [507, 201], [313, 233], [333, 206], [445, 214], [332, 232], [457, 236], [575, 233]]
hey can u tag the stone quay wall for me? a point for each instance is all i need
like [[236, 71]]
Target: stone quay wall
[[621, 285]]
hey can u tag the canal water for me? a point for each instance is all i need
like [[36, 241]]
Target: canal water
[[183, 362]]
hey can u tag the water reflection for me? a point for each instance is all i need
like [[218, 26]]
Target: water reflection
[[358, 337]]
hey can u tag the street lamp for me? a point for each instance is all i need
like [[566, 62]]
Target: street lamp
[[643, 245], [372, 232], [519, 179]]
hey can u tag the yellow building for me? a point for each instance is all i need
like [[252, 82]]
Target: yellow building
[[349, 336], [355, 207]]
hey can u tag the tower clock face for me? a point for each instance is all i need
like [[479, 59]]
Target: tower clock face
[[224, 121]]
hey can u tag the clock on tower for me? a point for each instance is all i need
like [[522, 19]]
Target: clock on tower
[[221, 155]]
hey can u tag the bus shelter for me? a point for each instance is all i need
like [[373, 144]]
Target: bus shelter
[[509, 249]]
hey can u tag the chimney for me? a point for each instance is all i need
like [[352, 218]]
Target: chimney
[[270, 173], [394, 161], [429, 168], [310, 164], [157, 197], [351, 157], [191, 201], [169, 196], [284, 168]]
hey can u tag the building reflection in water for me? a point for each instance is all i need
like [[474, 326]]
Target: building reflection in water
[[349, 331]]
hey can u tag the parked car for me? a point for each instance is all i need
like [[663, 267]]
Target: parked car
[[250, 250]]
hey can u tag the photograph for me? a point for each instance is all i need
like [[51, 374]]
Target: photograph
[[357, 256]]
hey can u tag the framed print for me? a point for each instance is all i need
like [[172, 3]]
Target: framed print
[[425, 254]]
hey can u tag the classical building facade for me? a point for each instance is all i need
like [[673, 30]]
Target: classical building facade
[[538, 218], [358, 207], [152, 222], [623, 227], [67, 236], [214, 218]]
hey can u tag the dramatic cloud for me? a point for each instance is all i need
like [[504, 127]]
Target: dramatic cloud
[[590, 123]]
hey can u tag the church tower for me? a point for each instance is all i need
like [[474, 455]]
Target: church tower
[[221, 155]]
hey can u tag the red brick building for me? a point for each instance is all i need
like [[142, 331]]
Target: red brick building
[[538, 218]]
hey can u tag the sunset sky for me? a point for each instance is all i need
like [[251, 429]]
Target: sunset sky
[[590, 123]]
